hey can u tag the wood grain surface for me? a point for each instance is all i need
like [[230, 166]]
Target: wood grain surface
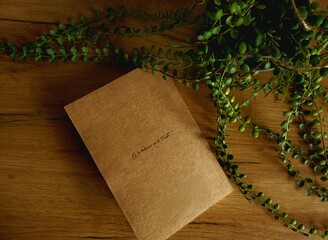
[[50, 188]]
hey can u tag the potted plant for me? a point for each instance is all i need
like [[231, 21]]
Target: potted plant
[[234, 42]]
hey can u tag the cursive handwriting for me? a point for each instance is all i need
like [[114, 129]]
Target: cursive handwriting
[[145, 148]]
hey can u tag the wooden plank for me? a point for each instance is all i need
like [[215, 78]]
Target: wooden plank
[[50, 187]]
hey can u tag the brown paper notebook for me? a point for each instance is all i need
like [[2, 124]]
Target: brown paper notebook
[[151, 153]]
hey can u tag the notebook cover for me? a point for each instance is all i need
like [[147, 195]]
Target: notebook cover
[[150, 152]]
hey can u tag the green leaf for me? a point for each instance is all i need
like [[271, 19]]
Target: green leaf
[[301, 227], [73, 50], [258, 39], [308, 180], [216, 30], [215, 92], [186, 83], [218, 15], [317, 20], [228, 57], [268, 201], [83, 19], [255, 133], [228, 80], [234, 34], [233, 120], [52, 32], [96, 60], [325, 24], [235, 167], [300, 183], [292, 222], [276, 207], [200, 37], [60, 41], [74, 59], [281, 10], [315, 5], [165, 68], [293, 103], [50, 52], [242, 128], [324, 72], [267, 66], [324, 178], [62, 26], [232, 69], [38, 58], [250, 186], [242, 176], [195, 86], [73, 22], [261, 6], [86, 59], [288, 114], [153, 63], [175, 73], [239, 22], [160, 52], [229, 20], [316, 134], [208, 35], [315, 59], [135, 55], [285, 124], [284, 215], [106, 51], [308, 192], [84, 49], [257, 57], [242, 48], [296, 96], [235, 8], [248, 19], [313, 231], [38, 50], [260, 195]]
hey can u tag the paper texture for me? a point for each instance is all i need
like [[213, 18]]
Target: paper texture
[[150, 152]]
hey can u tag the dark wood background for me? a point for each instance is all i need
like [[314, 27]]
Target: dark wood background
[[50, 187]]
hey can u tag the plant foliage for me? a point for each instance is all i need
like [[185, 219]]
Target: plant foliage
[[235, 41]]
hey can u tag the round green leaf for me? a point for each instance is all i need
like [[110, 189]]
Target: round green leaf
[[218, 14], [229, 20], [216, 30], [234, 34], [241, 128], [232, 69], [208, 35], [255, 133], [62, 26], [315, 5], [242, 48]]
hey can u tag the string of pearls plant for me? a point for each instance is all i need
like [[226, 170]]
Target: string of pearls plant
[[235, 40]]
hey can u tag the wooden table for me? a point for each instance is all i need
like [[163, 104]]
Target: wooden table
[[50, 187]]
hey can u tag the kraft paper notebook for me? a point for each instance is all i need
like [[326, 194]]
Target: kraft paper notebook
[[150, 152]]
